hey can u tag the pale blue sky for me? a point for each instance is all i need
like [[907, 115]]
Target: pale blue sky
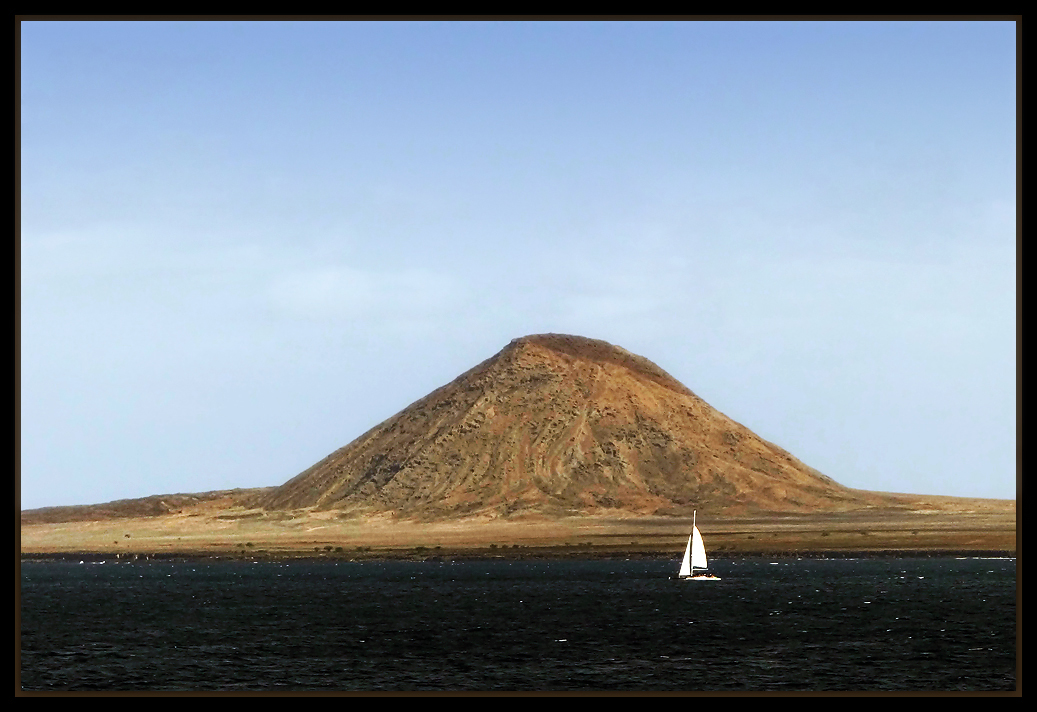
[[244, 244]]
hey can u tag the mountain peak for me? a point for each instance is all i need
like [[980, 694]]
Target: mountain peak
[[557, 424], [601, 352]]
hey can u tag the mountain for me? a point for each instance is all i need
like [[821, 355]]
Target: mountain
[[559, 425]]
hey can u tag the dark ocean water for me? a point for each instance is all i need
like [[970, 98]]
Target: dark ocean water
[[940, 624]]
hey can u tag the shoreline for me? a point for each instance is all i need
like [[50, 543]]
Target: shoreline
[[222, 534], [488, 555]]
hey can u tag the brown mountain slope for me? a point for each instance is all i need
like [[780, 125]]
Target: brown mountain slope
[[562, 425]]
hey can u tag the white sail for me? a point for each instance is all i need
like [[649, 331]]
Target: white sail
[[698, 550], [686, 564]]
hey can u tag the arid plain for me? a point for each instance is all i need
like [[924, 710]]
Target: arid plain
[[221, 528]]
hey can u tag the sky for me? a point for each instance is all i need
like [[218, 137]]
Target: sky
[[244, 244]]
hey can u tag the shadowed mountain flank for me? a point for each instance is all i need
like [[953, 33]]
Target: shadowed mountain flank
[[561, 425]]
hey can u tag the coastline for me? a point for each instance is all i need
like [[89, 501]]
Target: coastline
[[541, 555]]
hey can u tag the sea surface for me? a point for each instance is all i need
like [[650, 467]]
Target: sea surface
[[894, 624]]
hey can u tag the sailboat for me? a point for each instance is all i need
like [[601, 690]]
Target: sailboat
[[695, 557]]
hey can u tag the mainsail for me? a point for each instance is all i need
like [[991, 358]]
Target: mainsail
[[698, 550]]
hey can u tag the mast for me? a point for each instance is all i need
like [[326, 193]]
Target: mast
[[693, 513]]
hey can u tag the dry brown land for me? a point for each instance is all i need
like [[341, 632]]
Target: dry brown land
[[556, 446], [957, 526]]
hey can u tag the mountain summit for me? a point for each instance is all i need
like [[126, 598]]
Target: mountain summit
[[561, 425]]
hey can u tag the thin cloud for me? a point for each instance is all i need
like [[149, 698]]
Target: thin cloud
[[340, 293]]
